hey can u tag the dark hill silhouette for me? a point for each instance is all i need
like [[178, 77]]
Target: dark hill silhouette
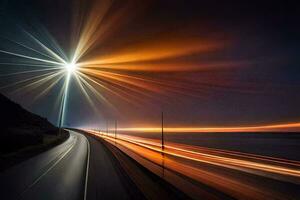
[[21, 128]]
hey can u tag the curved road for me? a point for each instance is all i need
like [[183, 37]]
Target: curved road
[[59, 173], [106, 180], [83, 168]]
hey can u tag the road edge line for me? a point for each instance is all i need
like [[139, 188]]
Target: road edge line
[[87, 168], [47, 170]]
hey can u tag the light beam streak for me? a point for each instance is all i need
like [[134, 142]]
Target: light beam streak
[[30, 71], [29, 48], [46, 48], [31, 58], [271, 127], [210, 166], [64, 100]]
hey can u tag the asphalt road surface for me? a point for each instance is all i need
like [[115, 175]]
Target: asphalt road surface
[[59, 173], [105, 179], [114, 175], [83, 168], [207, 173]]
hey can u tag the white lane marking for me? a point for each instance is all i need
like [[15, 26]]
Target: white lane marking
[[51, 167], [87, 168]]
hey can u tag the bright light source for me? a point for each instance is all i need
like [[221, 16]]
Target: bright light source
[[71, 67]]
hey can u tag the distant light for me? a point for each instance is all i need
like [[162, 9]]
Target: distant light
[[71, 67]]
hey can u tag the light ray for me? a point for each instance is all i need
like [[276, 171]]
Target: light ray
[[84, 91], [30, 71], [29, 48], [35, 84], [156, 50], [32, 65], [95, 92], [26, 80], [46, 48], [105, 88], [55, 44], [49, 87], [134, 89], [254, 128], [64, 100], [31, 58]]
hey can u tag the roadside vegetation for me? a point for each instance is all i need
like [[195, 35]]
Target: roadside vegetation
[[24, 134]]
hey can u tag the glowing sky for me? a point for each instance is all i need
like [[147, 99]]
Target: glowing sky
[[202, 63]]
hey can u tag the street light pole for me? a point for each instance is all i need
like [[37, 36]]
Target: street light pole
[[60, 122], [106, 127], [115, 129], [162, 133]]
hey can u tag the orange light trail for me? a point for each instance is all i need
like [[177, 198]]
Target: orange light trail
[[185, 159], [157, 50], [261, 128]]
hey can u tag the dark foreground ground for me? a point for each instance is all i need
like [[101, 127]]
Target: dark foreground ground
[[24, 134], [58, 173], [17, 155]]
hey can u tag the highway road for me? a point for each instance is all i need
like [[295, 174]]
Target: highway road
[[106, 180], [95, 165], [207, 173], [83, 168], [59, 173], [114, 175]]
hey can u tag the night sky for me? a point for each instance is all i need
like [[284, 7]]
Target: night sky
[[252, 74]]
